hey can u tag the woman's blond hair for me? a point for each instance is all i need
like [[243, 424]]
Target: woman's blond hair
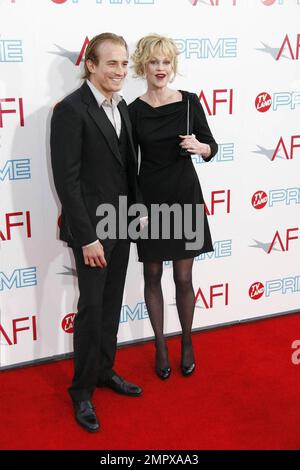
[[146, 49]]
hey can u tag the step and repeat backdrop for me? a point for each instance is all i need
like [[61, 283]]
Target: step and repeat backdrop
[[242, 58]]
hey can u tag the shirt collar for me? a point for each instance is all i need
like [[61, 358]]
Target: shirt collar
[[101, 99]]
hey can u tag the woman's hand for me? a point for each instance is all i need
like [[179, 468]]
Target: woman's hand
[[192, 145]]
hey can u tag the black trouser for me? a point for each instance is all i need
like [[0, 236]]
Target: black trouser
[[97, 321]]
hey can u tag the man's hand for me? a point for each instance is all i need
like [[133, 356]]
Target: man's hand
[[143, 222], [94, 255]]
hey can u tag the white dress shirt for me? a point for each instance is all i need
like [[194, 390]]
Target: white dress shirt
[[110, 108]]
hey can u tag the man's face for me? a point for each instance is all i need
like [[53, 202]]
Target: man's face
[[108, 76]]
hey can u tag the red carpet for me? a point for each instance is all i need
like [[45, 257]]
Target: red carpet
[[245, 394]]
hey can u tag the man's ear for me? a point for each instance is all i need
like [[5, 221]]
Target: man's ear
[[90, 65]]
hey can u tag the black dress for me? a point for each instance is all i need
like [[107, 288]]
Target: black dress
[[165, 176]]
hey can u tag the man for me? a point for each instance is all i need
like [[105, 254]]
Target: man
[[94, 162]]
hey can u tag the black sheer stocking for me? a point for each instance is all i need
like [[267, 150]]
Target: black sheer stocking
[[185, 301], [155, 306]]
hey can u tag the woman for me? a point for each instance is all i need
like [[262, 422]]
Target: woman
[[159, 121]]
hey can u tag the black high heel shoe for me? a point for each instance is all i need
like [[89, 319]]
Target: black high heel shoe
[[189, 368], [162, 372]]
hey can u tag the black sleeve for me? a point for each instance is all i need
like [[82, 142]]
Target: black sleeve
[[66, 155], [133, 119], [200, 126]]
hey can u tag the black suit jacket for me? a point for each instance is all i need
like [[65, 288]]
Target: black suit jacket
[[87, 166]]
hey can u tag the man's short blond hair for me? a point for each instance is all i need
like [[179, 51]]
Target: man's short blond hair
[[91, 52]]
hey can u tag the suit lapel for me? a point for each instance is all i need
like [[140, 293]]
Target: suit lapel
[[102, 122], [124, 113]]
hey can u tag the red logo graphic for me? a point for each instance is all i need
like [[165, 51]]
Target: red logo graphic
[[220, 96], [259, 199], [287, 148], [287, 44], [223, 197], [216, 3], [67, 323], [8, 224], [59, 1], [256, 290], [216, 290], [82, 51], [284, 243], [11, 336], [213, 3], [263, 102], [18, 110]]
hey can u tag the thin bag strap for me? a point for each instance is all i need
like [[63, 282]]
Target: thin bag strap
[[188, 118]]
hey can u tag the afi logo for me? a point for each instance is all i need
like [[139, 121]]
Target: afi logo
[[214, 3], [263, 102], [76, 57], [10, 222], [284, 243], [219, 96], [17, 109], [11, 336], [259, 199], [217, 290], [284, 149], [67, 323], [288, 46], [219, 197], [288, 148], [256, 290], [82, 51]]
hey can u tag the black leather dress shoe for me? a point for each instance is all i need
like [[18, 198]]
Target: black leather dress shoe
[[188, 370], [119, 385], [85, 415]]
